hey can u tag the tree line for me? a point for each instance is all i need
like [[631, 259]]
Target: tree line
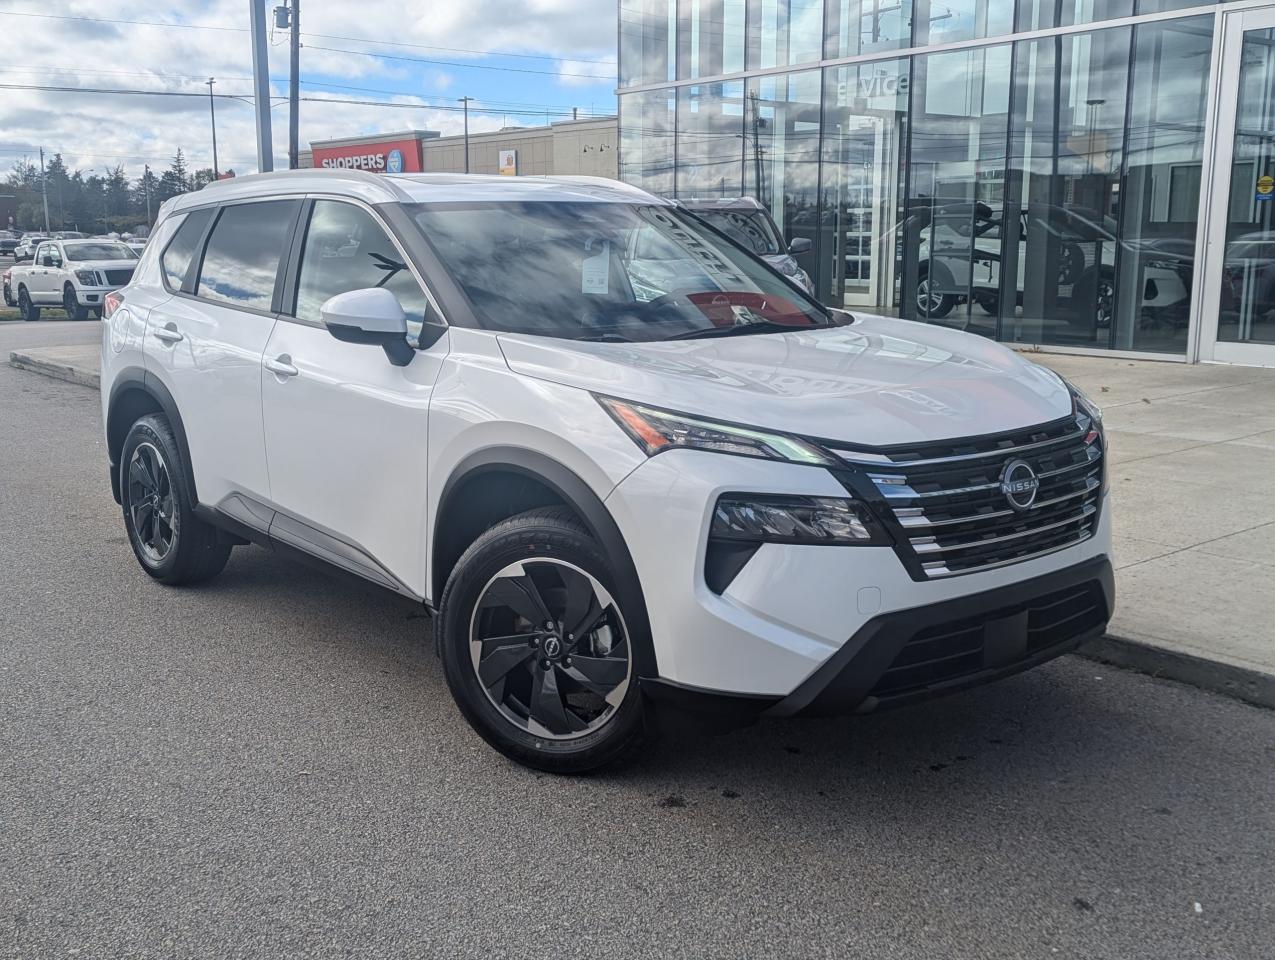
[[106, 202]]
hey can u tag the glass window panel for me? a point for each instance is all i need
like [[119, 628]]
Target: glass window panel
[[945, 21], [781, 160], [1056, 275], [782, 32], [865, 117], [710, 38], [1248, 284], [184, 246], [710, 140], [951, 231], [646, 140], [1041, 14], [346, 249], [648, 29], [1161, 194], [243, 254], [1160, 6], [853, 27]]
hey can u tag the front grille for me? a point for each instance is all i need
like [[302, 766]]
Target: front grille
[[119, 277], [950, 651], [950, 515]]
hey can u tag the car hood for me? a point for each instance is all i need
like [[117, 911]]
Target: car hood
[[875, 382]]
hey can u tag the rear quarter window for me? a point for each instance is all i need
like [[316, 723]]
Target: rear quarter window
[[182, 249]]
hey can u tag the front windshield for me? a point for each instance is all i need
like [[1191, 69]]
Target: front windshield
[[751, 229], [98, 251], [608, 271]]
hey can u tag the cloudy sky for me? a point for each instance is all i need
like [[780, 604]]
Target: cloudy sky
[[552, 55]]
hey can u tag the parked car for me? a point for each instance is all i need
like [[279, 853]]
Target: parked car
[[5, 281], [8, 242], [719, 498], [25, 248], [747, 222], [73, 274]]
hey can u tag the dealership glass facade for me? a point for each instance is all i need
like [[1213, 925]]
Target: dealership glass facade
[[1039, 183]]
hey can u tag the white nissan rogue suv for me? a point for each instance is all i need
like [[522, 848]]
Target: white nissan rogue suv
[[631, 470]]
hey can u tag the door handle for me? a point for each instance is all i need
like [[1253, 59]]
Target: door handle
[[169, 333], [281, 366]]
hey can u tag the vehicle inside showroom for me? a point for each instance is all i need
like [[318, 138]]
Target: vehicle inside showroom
[[1042, 172]]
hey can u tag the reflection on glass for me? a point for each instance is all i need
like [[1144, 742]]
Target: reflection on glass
[[950, 232], [783, 32], [710, 38], [1162, 184], [710, 140], [647, 30], [852, 27], [1248, 283], [945, 21], [1056, 280], [646, 140], [782, 147], [865, 112]]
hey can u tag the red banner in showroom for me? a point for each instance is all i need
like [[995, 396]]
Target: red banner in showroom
[[385, 156]]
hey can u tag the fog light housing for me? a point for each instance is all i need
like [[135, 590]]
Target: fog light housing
[[766, 518]]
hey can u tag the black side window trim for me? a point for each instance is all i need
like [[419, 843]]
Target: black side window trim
[[191, 283]]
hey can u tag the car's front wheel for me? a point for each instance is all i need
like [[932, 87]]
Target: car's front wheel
[[71, 304], [536, 648], [172, 544]]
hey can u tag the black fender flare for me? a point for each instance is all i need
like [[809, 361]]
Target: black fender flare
[[138, 378], [578, 495]]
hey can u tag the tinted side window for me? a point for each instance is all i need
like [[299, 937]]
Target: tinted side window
[[346, 249], [182, 249], [244, 252]]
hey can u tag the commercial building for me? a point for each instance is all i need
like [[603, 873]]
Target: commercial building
[[571, 147], [1092, 175]]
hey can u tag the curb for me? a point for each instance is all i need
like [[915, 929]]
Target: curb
[[58, 371], [1241, 683]]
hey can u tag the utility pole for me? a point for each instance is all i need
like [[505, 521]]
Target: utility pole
[[146, 189], [294, 87], [212, 112], [44, 191], [465, 101], [261, 85]]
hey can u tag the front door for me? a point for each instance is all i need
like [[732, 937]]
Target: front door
[[1238, 319]]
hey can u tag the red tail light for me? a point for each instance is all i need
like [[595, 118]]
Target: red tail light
[[111, 303]]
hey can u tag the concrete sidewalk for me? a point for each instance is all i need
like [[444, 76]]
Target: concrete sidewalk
[[1192, 473]]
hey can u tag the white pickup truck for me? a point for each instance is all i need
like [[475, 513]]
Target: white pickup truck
[[75, 275]]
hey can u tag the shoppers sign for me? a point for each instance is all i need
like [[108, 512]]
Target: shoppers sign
[[508, 163], [387, 156]]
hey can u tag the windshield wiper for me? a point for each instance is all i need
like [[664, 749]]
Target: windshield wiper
[[605, 338], [756, 326]]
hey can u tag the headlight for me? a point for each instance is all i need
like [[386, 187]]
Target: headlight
[[86, 277], [658, 430], [1083, 405], [765, 518]]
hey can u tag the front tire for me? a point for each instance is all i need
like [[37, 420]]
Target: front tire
[[931, 305], [26, 309], [71, 304], [172, 544], [536, 649]]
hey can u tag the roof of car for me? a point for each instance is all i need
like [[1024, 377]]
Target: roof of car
[[417, 188]]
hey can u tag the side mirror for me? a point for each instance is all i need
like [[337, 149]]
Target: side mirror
[[800, 245], [372, 316]]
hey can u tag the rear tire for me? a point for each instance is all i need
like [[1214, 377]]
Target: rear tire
[[172, 544], [931, 306], [536, 650], [26, 309]]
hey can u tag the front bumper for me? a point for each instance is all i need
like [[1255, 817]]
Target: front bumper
[[911, 655]]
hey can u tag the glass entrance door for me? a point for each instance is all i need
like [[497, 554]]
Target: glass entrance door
[[1238, 319]]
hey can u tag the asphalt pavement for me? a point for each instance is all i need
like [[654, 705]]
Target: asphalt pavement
[[269, 765]]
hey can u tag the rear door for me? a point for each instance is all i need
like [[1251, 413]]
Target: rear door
[[345, 428], [206, 343]]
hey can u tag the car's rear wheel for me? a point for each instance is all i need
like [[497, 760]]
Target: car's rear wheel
[[931, 305], [172, 544], [536, 648], [71, 304], [26, 309]]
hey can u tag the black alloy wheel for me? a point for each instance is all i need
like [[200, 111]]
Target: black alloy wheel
[[26, 309], [71, 305], [549, 648], [151, 502]]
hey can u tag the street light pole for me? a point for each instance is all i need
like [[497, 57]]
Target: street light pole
[[146, 189], [44, 191], [465, 101], [212, 112], [294, 87], [261, 84]]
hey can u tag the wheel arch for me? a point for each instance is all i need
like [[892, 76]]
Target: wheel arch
[[135, 393], [499, 482]]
